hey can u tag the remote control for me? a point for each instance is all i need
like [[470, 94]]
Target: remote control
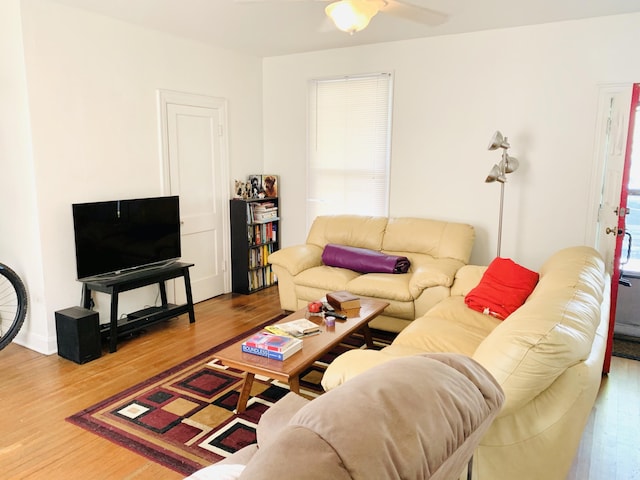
[[327, 307], [338, 316]]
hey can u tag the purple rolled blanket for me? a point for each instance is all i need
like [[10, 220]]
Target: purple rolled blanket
[[363, 260]]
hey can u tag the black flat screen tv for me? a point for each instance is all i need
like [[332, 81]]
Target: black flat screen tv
[[121, 235]]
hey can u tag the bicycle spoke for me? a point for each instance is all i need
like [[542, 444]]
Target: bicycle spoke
[[13, 305]]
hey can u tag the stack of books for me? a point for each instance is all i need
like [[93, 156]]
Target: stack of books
[[277, 347], [343, 300], [263, 212]]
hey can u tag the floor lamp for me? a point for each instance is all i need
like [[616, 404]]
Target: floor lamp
[[499, 173]]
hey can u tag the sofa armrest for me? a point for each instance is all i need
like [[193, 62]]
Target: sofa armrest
[[277, 417], [467, 278], [354, 362], [297, 258], [429, 272]]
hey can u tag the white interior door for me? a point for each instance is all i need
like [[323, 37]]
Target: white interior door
[[611, 141], [196, 170]]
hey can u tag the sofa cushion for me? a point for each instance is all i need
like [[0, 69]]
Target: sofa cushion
[[354, 230], [432, 237], [329, 279], [448, 327], [363, 260], [503, 288], [382, 285]]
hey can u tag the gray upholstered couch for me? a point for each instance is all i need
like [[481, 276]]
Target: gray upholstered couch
[[418, 417]]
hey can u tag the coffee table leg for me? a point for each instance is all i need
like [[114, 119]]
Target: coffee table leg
[[244, 393], [294, 384], [368, 339]]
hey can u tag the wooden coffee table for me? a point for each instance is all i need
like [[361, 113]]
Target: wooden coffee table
[[313, 348]]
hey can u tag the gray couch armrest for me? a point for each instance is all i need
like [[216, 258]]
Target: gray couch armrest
[[277, 417]]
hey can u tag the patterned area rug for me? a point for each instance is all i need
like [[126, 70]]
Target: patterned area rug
[[626, 347], [183, 418]]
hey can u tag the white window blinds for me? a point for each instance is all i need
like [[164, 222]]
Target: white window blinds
[[349, 146]]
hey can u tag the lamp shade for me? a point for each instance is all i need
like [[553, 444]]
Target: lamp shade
[[511, 164], [496, 175], [498, 141], [351, 15]]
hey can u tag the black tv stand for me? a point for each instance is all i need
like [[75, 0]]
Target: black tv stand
[[116, 284]]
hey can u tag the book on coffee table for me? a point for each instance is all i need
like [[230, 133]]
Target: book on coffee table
[[343, 300], [295, 328], [263, 352], [277, 347]]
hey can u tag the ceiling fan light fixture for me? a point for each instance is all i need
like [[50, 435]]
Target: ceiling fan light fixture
[[351, 15]]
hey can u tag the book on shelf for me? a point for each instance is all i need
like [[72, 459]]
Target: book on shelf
[[261, 212], [295, 328], [343, 300], [266, 344]]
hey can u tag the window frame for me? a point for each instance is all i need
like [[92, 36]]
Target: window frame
[[336, 184]]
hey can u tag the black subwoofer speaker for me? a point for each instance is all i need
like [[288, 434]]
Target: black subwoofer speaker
[[78, 333]]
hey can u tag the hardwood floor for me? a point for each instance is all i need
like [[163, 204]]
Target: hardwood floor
[[39, 392]]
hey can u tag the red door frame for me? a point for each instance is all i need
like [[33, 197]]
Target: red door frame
[[615, 276]]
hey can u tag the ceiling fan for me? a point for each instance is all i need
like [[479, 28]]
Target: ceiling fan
[[354, 15]]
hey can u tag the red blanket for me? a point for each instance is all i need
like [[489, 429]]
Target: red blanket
[[503, 288]]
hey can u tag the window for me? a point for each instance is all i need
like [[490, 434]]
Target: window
[[632, 221], [349, 146]]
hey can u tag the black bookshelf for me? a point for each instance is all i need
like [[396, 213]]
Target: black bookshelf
[[255, 234]]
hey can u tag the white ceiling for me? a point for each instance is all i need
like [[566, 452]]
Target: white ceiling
[[279, 27]]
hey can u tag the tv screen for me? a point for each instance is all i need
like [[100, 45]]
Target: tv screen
[[119, 235]]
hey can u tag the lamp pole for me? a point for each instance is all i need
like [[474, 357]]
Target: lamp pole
[[499, 173], [500, 218]]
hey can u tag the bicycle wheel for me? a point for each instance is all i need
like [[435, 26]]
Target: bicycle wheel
[[13, 305]]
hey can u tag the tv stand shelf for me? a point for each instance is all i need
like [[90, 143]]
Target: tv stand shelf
[[129, 281]]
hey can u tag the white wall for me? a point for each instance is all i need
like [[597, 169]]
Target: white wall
[[538, 85], [19, 241], [92, 84]]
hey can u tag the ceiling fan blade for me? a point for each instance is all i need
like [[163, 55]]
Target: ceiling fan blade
[[414, 13]]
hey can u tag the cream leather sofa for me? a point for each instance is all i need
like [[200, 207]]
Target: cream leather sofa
[[547, 356], [436, 250]]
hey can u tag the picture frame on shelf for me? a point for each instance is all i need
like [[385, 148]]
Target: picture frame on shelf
[[241, 189], [256, 190], [270, 185]]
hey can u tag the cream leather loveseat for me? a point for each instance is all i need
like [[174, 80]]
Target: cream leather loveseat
[[435, 249], [547, 356]]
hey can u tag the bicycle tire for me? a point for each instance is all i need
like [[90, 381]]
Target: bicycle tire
[[13, 305]]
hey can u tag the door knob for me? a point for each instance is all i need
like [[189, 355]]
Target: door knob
[[613, 231]]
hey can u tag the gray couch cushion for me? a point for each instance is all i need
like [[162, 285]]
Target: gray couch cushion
[[416, 417]]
